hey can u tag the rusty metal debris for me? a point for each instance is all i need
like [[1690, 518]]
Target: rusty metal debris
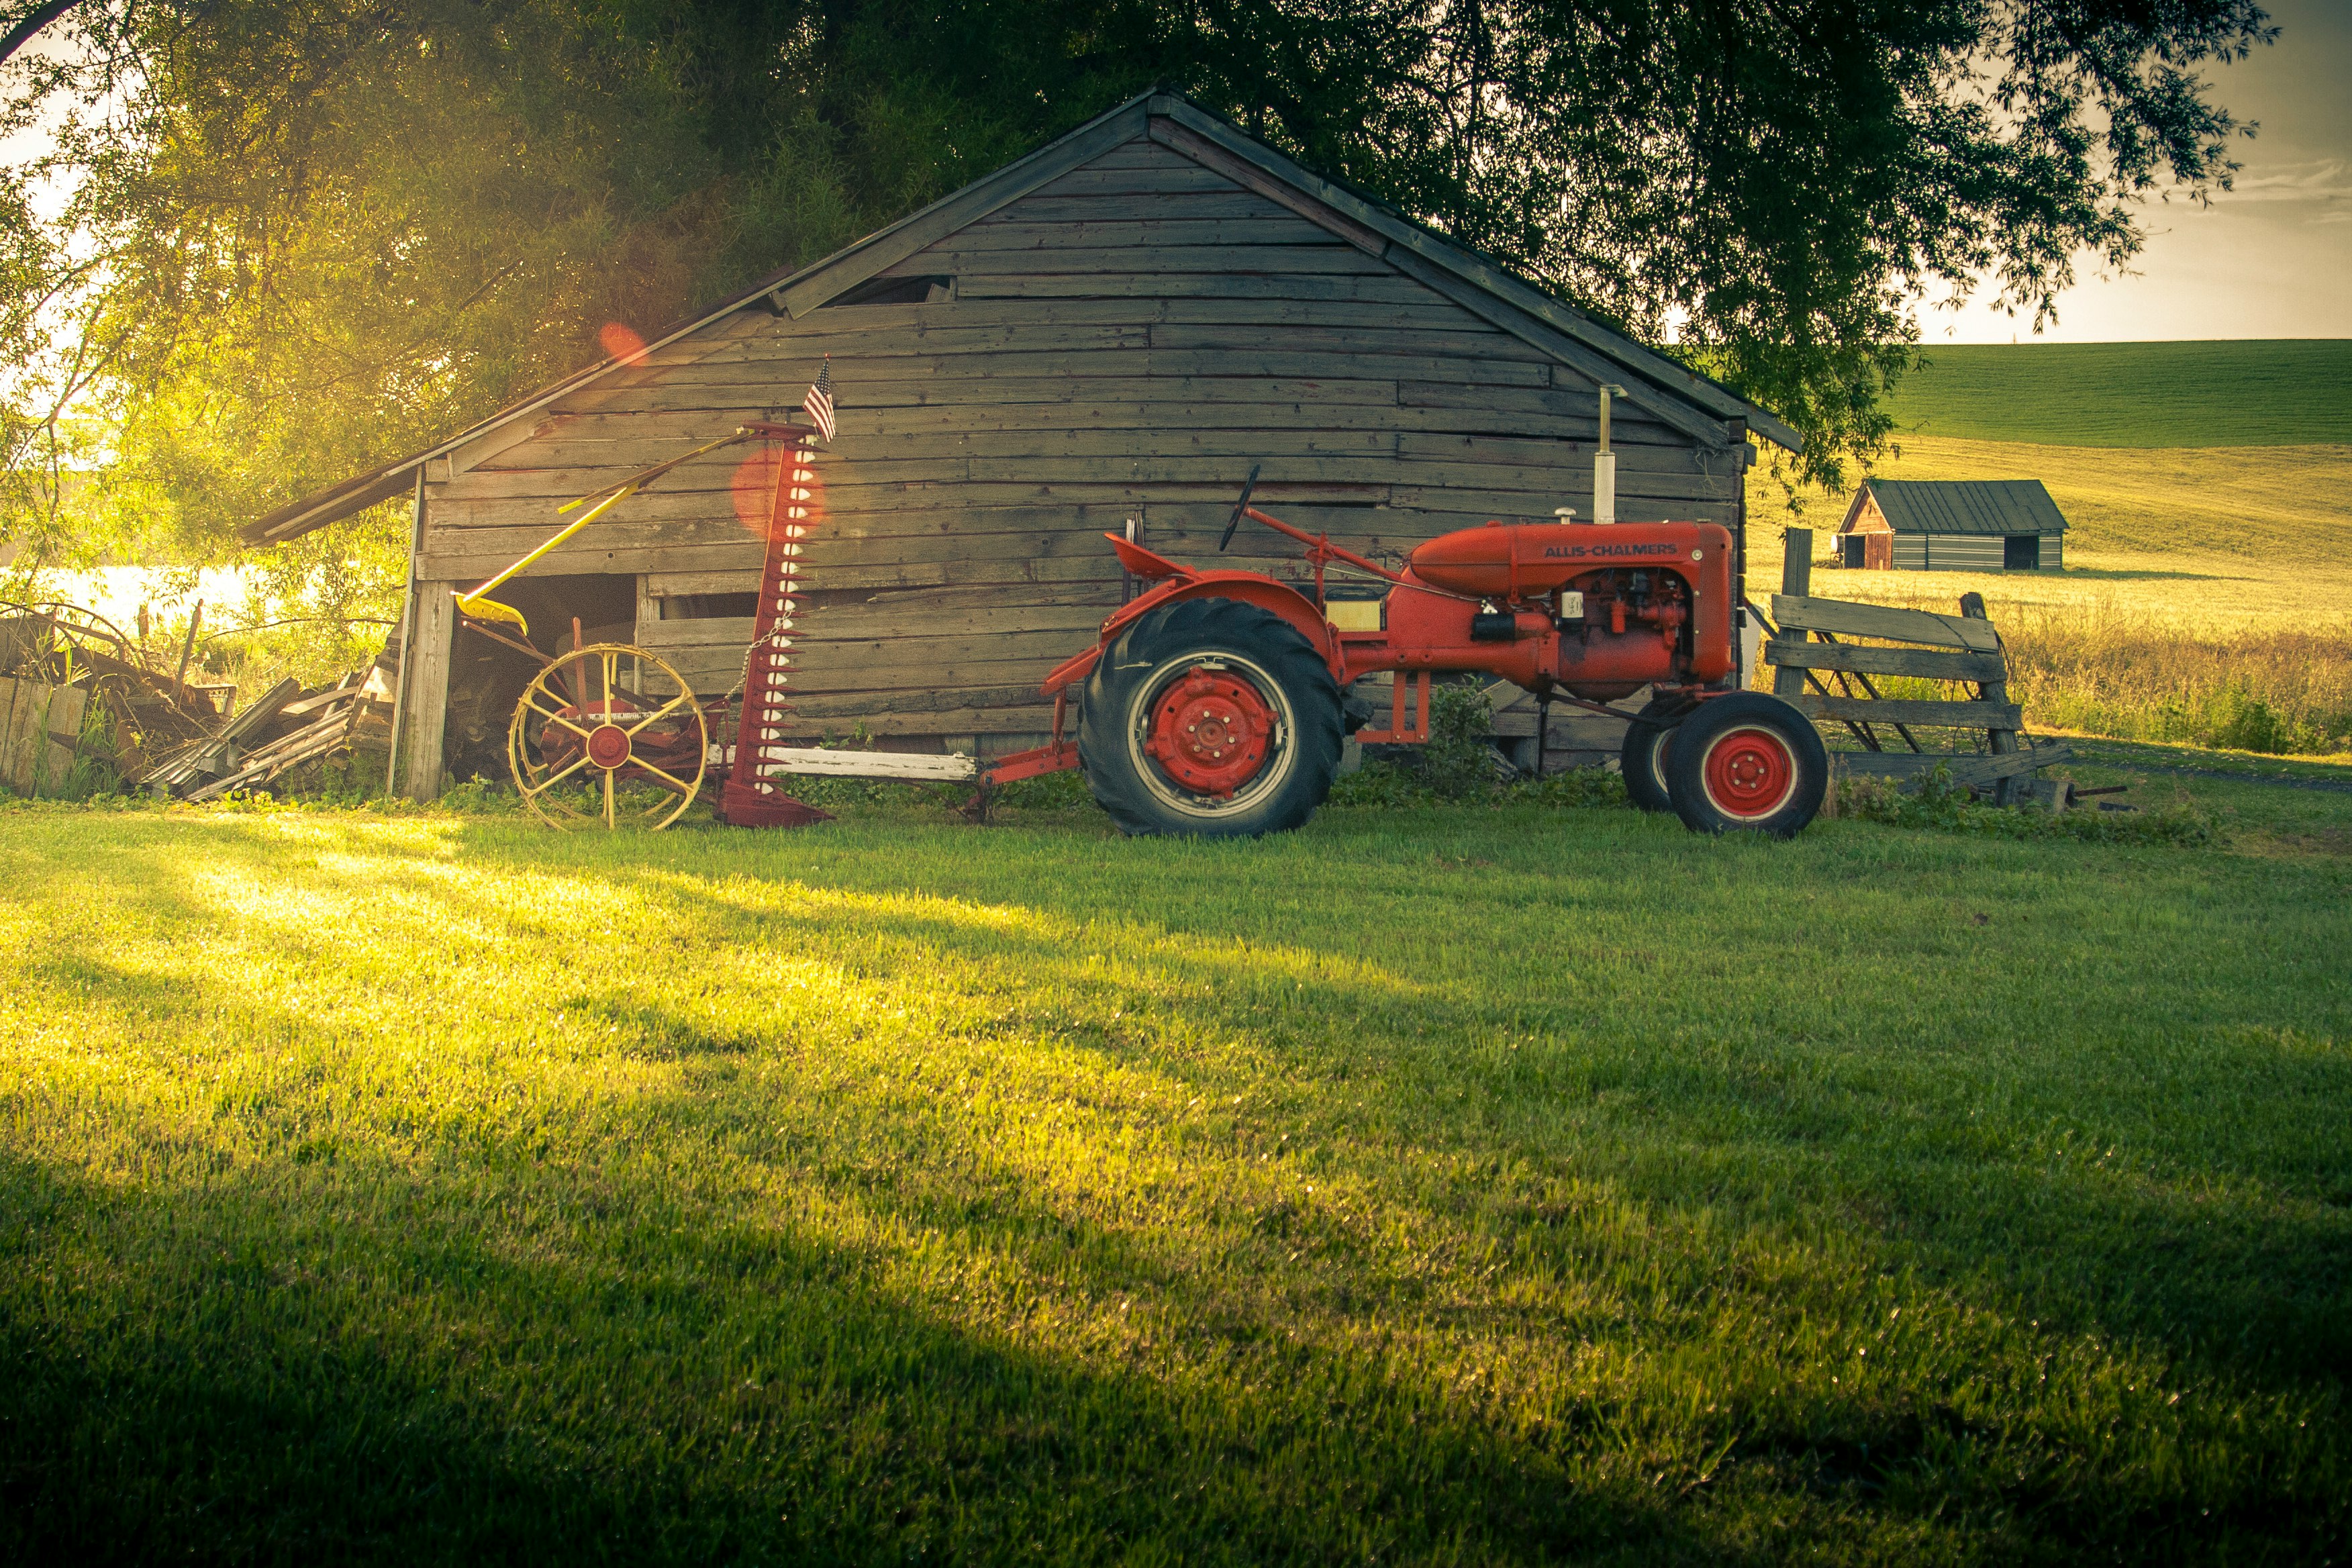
[[74, 686]]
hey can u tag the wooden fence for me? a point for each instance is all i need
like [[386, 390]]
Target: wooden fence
[[1807, 654], [40, 726]]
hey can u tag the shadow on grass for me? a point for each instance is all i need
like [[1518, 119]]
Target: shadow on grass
[[326, 1369], [587, 1349]]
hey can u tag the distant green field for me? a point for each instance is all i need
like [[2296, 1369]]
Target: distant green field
[[2279, 393]]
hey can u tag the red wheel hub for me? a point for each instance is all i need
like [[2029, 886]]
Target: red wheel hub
[[1211, 732], [1750, 773], [608, 745]]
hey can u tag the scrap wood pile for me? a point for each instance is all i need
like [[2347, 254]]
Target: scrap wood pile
[[77, 686]]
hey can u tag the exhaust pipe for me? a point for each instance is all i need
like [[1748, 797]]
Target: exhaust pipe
[[1605, 463]]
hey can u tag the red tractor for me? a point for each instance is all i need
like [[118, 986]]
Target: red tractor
[[1213, 703]]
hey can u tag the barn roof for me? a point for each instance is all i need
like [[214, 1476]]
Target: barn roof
[[1961, 506], [1676, 395]]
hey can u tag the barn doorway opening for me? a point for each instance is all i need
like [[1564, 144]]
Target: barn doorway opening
[[2022, 552], [487, 677]]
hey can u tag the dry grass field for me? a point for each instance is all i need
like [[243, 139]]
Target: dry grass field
[[2207, 595]]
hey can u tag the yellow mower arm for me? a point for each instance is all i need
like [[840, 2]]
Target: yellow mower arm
[[480, 608]]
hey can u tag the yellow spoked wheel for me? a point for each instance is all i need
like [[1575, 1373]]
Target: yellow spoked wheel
[[608, 736]]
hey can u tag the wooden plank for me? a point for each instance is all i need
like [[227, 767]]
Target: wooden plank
[[1226, 202], [841, 763], [729, 631], [1299, 339], [1139, 153], [1115, 181], [683, 584], [1542, 455], [871, 257], [848, 622], [1359, 361], [1126, 231], [901, 391], [1594, 366], [1922, 663], [1570, 728], [427, 689], [783, 354], [1290, 458], [865, 455], [40, 726], [912, 706], [1030, 718], [1800, 612], [1796, 583], [970, 261], [1204, 151], [1655, 497], [1974, 769], [619, 440], [1896, 711], [1368, 287], [872, 322], [2003, 737]]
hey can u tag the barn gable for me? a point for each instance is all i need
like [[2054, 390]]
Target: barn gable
[[1118, 327]]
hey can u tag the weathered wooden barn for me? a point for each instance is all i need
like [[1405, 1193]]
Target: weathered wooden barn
[[1115, 327], [1953, 525]]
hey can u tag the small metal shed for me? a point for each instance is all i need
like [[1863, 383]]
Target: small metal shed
[[1953, 525]]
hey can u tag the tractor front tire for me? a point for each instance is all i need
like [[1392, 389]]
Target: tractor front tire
[[1747, 763], [1642, 758], [1211, 719]]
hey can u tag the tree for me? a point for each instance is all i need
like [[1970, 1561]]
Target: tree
[[292, 238]]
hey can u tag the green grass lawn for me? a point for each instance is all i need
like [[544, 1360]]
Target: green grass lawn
[[1458, 1186], [2262, 393]]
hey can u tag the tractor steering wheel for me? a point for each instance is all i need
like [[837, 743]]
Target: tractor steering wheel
[[1240, 507]]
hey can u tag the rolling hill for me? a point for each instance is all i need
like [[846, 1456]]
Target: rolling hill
[[2271, 393]]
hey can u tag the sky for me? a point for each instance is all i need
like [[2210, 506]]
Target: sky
[[2272, 258]]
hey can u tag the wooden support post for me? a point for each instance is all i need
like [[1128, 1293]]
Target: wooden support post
[[1797, 581], [1972, 605], [407, 635], [1737, 429], [424, 664]]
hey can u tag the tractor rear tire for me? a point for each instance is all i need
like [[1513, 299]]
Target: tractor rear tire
[[1747, 763], [1642, 758], [1211, 719]]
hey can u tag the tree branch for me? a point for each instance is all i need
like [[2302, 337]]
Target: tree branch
[[34, 20]]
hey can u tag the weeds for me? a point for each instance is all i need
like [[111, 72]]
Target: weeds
[[1937, 805]]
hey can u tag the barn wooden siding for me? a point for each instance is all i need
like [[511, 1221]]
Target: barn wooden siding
[[1125, 342], [1117, 326]]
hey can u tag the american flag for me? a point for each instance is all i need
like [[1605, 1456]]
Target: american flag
[[818, 404]]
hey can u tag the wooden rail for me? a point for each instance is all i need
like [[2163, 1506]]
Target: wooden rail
[[1963, 648]]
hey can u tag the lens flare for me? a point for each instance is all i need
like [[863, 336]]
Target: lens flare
[[621, 343]]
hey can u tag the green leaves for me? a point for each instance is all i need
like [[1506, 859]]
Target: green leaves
[[286, 239]]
